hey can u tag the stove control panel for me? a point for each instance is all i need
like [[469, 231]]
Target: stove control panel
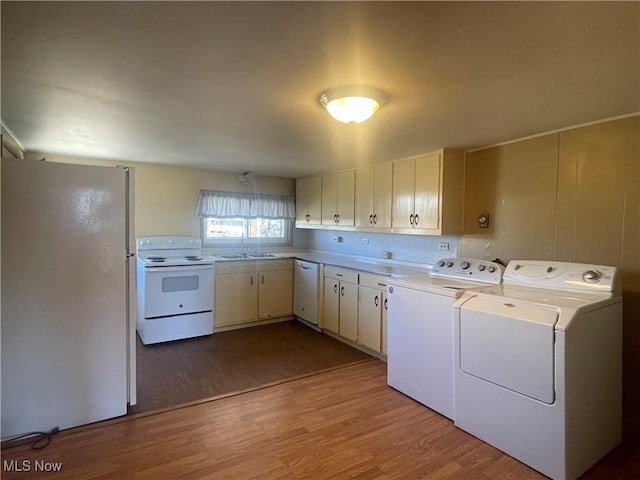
[[469, 269]]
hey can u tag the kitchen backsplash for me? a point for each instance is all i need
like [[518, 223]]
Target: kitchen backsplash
[[405, 248]]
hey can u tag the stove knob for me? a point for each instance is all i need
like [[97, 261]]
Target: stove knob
[[491, 269], [464, 265], [591, 276], [481, 268], [449, 264], [441, 263]]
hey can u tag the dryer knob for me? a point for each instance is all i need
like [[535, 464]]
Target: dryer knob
[[464, 265], [481, 268], [591, 276], [491, 269]]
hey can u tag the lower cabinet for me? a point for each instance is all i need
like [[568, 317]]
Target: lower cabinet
[[246, 291], [341, 302], [372, 312]]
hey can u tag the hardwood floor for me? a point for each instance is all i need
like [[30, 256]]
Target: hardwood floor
[[173, 373], [343, 423]]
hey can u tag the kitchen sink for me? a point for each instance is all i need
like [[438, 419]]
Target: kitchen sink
[[262, 255], [234, 256]]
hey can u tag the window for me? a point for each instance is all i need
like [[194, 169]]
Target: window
[[233, 219], [232, 231]]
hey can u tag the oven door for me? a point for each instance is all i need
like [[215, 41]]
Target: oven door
[[178, 290]]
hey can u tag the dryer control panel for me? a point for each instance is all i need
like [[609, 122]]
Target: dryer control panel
[[561, 275], [469, 269]]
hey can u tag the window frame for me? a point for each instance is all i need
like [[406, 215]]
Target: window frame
[[246, 241]]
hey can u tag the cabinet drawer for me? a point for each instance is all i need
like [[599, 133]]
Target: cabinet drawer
[[281, 264], [237, 266], [341, 274], [373, 281]]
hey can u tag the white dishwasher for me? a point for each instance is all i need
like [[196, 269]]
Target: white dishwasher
[[305, 291]]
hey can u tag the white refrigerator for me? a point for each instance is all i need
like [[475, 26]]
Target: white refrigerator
[[68, 295]]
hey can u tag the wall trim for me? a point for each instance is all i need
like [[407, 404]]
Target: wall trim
[[558, 130]]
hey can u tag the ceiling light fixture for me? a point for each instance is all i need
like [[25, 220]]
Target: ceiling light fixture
[[353, 104], [246, 177]]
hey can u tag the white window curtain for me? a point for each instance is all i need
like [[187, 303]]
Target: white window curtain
[[244, 205]]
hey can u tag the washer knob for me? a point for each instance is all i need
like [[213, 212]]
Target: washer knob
[[449, 264], [464, 265], [441, 263], [481, 268], [491, 269], [591, 276]]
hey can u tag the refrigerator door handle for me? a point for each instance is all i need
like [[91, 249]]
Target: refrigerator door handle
[[129, 255]]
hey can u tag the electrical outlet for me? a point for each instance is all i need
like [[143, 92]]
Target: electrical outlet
[[337, 238], [385, 254], [443, 246], [365, 240]]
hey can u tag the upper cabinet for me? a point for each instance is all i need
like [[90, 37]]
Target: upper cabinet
[[420, 195], [373, 196], [428, 194], [338, 199], [308, 201]]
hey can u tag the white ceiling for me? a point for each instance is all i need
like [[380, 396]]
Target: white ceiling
[[234, 85]]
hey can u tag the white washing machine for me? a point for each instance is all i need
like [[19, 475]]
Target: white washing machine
[[538, 370], [420, 361]]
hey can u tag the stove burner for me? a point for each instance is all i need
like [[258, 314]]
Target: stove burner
[[193, 258], [156, 259]]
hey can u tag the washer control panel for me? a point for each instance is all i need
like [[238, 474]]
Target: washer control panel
[[469, 269], [561, 275]]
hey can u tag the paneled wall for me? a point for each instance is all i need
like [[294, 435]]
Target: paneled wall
[[569, 196]]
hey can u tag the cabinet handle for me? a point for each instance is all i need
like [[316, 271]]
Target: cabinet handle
[[342, 291], [339, 275], [337, 218], [385, 303], [335, 288], [417, 219], [251, 280], [262, 279], [382, 284], [375, 219], [371, 219], [375, 301], [411, 219]]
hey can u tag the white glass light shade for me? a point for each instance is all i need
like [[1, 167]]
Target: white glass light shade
[[352, 104]]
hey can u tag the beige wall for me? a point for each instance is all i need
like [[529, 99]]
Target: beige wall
[[166, 196], [569, 196]]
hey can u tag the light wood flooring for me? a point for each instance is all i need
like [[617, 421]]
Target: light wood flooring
[[343, 423]]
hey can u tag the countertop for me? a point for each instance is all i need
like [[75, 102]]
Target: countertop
[[389, 268]]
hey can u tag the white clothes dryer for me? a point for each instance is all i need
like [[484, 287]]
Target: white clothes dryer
[[420, 359], [538, 365]]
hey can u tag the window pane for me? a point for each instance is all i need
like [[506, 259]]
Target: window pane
[[225, 227], [266, 228]]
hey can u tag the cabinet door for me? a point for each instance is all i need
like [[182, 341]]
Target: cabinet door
[[308, 201], [383, 330], [427, 191], [345, 198], [349, 310], [301, 201], [329, 198], [369, 316], [382, 195], [403, 193], [236, 298], [275, 293], [331, 305], [364, 181], [314, 200]]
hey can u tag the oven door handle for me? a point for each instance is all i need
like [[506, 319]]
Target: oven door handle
[[179, 268]]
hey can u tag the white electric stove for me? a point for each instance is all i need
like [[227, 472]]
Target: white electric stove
[[175, 289]]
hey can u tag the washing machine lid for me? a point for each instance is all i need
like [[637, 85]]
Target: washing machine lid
[[510, 344]]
